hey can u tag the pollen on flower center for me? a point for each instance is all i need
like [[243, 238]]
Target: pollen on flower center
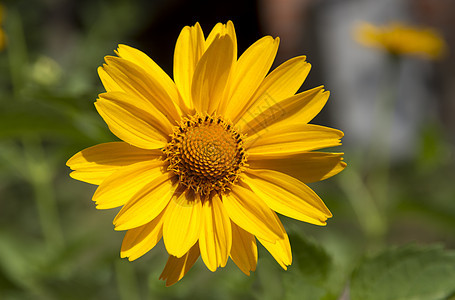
[[206, 153]]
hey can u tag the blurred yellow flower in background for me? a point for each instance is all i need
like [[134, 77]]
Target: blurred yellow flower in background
[[400, 39], [2, 32], [207, 159]]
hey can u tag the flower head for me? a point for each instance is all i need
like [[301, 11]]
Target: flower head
[[400, 39], [207, 159]]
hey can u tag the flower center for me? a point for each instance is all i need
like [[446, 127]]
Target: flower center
[[206, 153]]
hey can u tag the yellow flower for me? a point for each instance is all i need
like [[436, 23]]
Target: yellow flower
[[401, 39], [207, 159]]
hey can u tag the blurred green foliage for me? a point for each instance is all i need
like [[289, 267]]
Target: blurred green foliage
[[55, 245], [405, 273]]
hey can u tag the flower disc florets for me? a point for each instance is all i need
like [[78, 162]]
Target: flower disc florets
[[206, 153]]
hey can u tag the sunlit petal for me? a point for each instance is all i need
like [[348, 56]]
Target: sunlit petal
[[249, 211], [306, 167], [140, 240], [288, 196], [182, 223], [244, 250], [188, 51], [176, 268], [119, 188], [211, 74], [248, 74], [130, 123], [147, 203], [285, 139], [280, 84], [300, 108], [96, 163], [153, 71], [280, 250], [216, 237], [133, 79]]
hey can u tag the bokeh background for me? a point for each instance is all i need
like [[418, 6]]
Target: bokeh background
[[393, 207]]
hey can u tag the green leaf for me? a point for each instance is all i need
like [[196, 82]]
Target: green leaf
[[312, 260], [406, 273], [313, 275]]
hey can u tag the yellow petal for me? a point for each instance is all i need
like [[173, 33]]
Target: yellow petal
[[153, 70], [146, 204], [284, 139], [109, 84], [144, 110], [281, 250], [230, 31], [182, 223], [248, 74], [176, 268], [287, 196], [140, 240], [122, 185], [188, 51], [300, 108], [216, 237], [306, 167], [220, 30], [134, 80], [211, 74], [248, 211], [244, 251], [130, 124], [281, 83], [96, 163], [312, 104]]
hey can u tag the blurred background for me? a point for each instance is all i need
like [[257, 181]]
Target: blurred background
[[394, 203]]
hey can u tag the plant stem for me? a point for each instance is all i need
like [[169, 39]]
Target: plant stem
[[40, 176], [380, 151], [369, 216]]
